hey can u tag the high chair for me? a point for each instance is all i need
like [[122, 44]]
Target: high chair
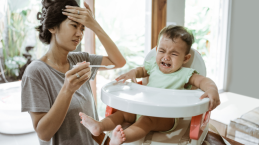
[[184, 104]]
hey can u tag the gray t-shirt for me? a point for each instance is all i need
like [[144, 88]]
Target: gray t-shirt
[[40, 87]]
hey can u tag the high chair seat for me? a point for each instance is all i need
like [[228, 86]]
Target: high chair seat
[[179, 136], [184, 104]]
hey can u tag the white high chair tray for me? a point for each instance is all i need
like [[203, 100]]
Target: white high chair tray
[[149, 101]]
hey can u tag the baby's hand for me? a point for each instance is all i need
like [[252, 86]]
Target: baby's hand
[[129, 75], [213, 95]]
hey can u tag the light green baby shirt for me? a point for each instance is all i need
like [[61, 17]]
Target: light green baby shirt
[[175, 80]]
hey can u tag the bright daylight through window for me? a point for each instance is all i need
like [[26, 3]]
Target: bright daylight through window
[[208, 21], [127, 23]]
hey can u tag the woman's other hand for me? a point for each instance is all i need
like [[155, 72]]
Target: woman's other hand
[[129, 75], [83, 16], [76, 77]]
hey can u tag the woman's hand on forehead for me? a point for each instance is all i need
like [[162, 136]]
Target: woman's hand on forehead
[[83, 16]]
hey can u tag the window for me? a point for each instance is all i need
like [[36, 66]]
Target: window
[[209, 20], [17, 31], [128, 23]]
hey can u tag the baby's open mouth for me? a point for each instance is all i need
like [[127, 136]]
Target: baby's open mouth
[[166, 64]]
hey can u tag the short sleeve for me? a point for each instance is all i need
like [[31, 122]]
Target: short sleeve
[[189, 73], [149, 64], [95, 60], [34, 97]]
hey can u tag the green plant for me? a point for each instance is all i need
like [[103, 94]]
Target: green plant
[[17, 28], [13, 64], [198, 21], [127, 29], [121, 26]]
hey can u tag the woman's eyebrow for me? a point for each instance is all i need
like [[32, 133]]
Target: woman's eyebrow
[[78, 24], [73, 22]]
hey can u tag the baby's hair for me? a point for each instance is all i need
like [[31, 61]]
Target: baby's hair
[[51, 16], [174, 32]]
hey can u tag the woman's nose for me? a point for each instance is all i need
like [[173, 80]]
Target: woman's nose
[[79, 33]]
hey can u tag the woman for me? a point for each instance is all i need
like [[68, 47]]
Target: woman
[[54, 92]]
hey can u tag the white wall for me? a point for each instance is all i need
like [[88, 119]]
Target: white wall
[[243, 61], [175, 12]]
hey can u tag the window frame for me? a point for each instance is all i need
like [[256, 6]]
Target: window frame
[[89, 45]]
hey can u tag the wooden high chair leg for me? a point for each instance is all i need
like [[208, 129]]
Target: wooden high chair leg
[[99, 139]]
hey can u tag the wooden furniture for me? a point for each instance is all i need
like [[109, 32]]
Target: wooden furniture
[[215, 139], [158, 19], [212, 138]]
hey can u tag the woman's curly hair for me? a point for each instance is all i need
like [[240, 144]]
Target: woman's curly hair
[[51, 16]]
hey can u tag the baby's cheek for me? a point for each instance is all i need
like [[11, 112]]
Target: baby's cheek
[[157, 60], [157, 63]]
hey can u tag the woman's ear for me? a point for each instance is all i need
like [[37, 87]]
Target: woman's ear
[[52, 30], [187, 58]]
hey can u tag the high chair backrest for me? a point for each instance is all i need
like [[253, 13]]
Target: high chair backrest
[[196, 62]]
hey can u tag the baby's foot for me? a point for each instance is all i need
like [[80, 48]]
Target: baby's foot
[[92, 125], [118, 136]]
